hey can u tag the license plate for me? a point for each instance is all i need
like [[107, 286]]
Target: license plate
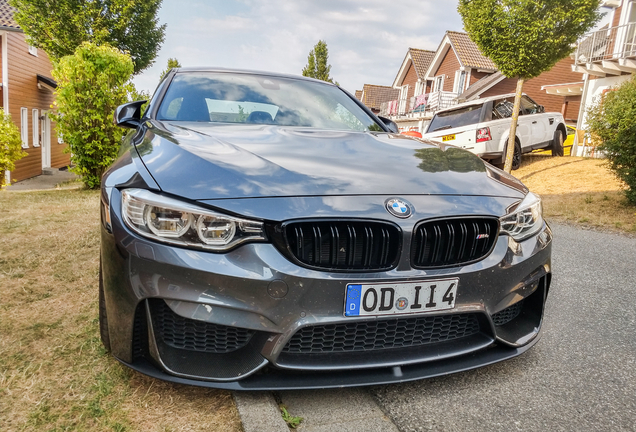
[[400, 298], [448, 137]]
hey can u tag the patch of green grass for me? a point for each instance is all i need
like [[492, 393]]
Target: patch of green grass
[[292, 421]]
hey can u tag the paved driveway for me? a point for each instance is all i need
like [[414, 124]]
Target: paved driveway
[[580, 377]]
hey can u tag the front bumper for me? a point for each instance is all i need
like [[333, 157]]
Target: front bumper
[[262, 294]]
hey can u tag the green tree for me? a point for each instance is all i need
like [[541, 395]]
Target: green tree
[[10, 145], [612, 124], [317, 63], [91, 84], [526, 37], [60, 26], [172, 63]]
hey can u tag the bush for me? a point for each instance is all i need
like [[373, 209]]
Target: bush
[[91, 84], [10, 145], [612, 125]]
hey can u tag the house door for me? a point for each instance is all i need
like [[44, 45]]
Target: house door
[[45, 128]]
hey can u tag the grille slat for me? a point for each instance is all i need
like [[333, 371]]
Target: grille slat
[[344, 245], [385, 334], [449, 242]]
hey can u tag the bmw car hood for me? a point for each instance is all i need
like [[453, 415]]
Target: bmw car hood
[[204, 162]]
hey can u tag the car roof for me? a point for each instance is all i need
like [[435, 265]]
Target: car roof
[[247, 72], [478, 101]]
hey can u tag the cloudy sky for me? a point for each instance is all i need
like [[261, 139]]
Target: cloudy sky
[[367, 39]]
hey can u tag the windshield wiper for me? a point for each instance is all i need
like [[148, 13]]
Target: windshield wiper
[[442, 128]]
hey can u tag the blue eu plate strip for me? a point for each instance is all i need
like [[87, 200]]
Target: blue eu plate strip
[[353, 300]]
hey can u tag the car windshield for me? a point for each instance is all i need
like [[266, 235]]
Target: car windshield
[[455, 118], [259, 99]]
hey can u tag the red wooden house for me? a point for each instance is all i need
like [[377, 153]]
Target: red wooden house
[[27, 94]]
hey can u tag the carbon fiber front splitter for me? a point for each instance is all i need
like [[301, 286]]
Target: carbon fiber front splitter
[[277, 379]]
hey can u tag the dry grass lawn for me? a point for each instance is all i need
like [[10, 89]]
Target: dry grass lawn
[[578, 190], [54, 372]]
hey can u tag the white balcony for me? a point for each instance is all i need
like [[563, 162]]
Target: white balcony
[[417, 107], [609, 51]]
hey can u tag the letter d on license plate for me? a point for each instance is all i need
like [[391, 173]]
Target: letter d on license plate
[[400, 298]]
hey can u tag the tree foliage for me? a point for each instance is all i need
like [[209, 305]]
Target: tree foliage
[[318, 66], [91, 84], [526, 37], [612, 123], [60, 26], [10, 145], [172, 63]]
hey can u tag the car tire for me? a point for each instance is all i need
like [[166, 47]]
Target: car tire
[[103, 319], [557, 143], [516, 157]]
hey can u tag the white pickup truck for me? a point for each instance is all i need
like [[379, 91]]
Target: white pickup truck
[[482, 126]]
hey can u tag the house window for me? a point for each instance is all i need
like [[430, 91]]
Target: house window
[[419, 88], [36, 128], [24, 127], [460, 82], [33, 51], [439, 83]]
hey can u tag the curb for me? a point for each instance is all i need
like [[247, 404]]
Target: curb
[[259, 412]]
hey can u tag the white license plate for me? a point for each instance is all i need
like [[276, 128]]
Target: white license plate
[[400, 298]]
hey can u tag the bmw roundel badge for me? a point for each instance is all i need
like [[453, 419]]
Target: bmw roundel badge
[[399, 207]]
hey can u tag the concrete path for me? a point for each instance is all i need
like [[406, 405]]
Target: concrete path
[[52, 179], [342, 410]]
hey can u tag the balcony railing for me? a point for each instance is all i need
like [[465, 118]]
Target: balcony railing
[[608, 44], [418, 106]]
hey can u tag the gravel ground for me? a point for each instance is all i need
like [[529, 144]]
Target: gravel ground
[[580, 376]]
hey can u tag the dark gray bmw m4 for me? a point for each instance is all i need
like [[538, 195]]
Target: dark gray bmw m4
[[263, 231]]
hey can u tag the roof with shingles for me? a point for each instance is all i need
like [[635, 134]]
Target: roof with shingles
[[422, 60], [374, 95], [468, 52], [6, 15], [359, 94]]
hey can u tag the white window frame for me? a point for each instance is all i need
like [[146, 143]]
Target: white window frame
[[404, 94], [24, 127], [456, 87], [36, 127], [440, 79], [33, 51], [419, 88]]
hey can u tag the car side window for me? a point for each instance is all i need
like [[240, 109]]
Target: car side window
[[502, 109], [528, 106]]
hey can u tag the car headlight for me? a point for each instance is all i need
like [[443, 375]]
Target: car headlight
[[526, 219], [175, 222]]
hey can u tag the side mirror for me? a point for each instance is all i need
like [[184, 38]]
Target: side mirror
[[128, 115], [541, 109], [393, 127]]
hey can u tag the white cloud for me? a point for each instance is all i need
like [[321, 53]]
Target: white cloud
[[367, 39]]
